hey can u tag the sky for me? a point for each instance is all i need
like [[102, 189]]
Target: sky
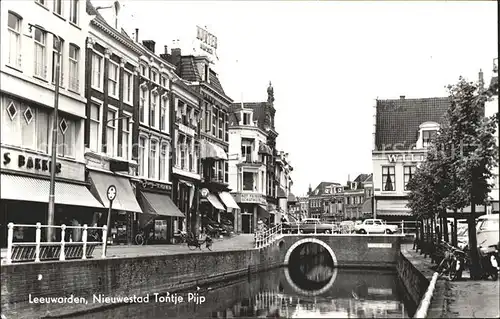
[[328, 62]]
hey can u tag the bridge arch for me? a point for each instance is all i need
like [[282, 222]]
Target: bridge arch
[[287, 272]]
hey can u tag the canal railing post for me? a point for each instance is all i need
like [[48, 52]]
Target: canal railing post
[[10, 238], [38, 238], [104, 240], [84, 239], [62, 255], [315, 228], [402, 227]]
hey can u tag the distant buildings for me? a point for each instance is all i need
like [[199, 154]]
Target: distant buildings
[[326, 201], [355, 195]]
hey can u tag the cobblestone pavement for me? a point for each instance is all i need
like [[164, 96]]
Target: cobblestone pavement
[[458, 299]]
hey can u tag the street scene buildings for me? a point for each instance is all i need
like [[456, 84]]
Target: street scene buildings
[[125, 152]]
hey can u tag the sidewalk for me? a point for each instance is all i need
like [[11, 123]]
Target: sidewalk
[[238, 242], [457, 299]]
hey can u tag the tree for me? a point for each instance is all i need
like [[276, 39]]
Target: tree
[[471, 154]]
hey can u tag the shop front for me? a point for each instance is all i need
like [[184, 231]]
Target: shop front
[[25, 184], [161, 217], [210, 207], [232, 209], [125, 206], [392, 208], [253, 207], [185, 196]]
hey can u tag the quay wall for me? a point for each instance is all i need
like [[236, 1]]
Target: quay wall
[[119, 277]]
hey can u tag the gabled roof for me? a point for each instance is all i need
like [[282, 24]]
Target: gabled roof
[[320, 189], [361, 178], [258, 110], [369, 179], [398, 121]]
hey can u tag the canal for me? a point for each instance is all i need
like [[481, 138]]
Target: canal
[[312, 287]]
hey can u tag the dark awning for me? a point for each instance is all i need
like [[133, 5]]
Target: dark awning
[[291, 198], [159, 204], [262, 211], [367, 206], [211, 150], [125, 198], [31, 189], [265, 149]]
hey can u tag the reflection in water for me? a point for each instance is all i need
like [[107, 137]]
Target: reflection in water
[[311, 288]]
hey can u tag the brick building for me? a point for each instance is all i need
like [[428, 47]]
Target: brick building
[[326, 201]]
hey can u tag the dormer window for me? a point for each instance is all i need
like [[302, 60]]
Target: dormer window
[[427, 133], [246, 118]]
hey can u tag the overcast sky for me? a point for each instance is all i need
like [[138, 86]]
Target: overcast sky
[[328, 62]]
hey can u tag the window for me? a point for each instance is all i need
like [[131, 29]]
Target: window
[[164, 162], [214, 121], [409, 172], [40, 41], [128, 86], [73, 11], [14, 26], [427, 137], [144, 70], [66, 138], [226, 124], [226, 173], [58, 7], [57, 50], [207, 117], [246, 150], [95, 124], [141, 156], [97, 73], [388, 178], [248, 184], [74, 53], [164, 82], [154, 76], [190, 153], [220, 170], [153, 109], [111, 134], [126, 137], [25, 126], [246, 118], [182, 151], [221, 125], [42, 2], [152, 158], [113, 72], [164, 113], [143, 104]]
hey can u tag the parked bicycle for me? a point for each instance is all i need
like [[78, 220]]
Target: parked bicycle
[[141, 239], [193, 242], [453, 263]]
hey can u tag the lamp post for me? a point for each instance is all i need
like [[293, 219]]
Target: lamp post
[[55, 120]]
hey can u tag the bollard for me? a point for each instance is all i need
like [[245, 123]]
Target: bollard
[[315, 226], [38, 238], [104, 240], [84, 239], [402, 227], [10, 237], [62, 255]]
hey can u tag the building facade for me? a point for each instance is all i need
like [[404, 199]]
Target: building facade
[[247, 172], [284, 184], [491, 108], [403, 129], [35, 35], [354, 197]]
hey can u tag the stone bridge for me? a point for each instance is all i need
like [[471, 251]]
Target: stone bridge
[[350, 250]]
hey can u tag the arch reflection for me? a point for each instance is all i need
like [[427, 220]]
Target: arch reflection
[[311, 267]]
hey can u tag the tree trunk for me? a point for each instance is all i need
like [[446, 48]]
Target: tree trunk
[[454, 240], [471, 222], [445, 230]]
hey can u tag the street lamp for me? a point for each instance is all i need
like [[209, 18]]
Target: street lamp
[[55, 120]]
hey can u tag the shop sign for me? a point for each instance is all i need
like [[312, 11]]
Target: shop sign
[[208, 42], [405, 158], [30, 162], [155, 185], [250, 198], [204, 192]]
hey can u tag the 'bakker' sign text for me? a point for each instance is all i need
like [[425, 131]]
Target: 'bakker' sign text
[[405, 158]]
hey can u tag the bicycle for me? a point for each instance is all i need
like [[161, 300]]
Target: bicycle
[[140, 238], [193, 242]]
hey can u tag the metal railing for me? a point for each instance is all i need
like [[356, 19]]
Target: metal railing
[[264, 238], [42, 250]]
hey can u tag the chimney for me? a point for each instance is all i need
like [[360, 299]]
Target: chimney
[[136, 34], [481, 79], [402, 97], [165, 49], [150, 45]]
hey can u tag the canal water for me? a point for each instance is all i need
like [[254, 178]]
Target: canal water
[[312, 288]]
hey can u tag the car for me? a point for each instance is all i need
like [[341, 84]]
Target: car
[[314, 225], [487, 230], [375, 226]]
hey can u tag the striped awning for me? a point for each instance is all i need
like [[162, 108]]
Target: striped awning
[[211, 150], [32, 189], [392, 207], [215, 202], [262, 211]]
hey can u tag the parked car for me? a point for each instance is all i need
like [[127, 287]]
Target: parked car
[[375, 226], [312, 225]]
